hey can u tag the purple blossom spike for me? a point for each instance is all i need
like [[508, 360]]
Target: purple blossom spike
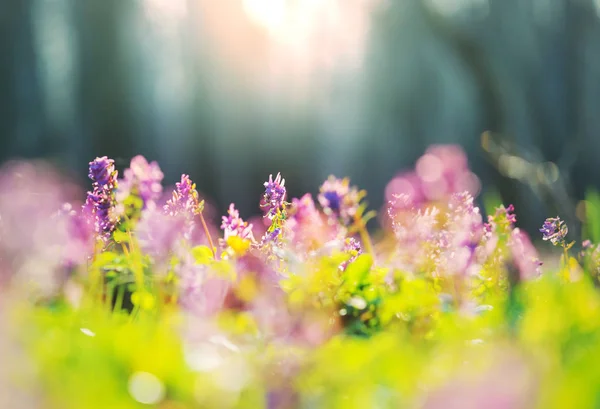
[[141, 178], [102, 172], [234, 225], [274, 196], [555, 231], [338, 199], [184, 199], [100, 201]]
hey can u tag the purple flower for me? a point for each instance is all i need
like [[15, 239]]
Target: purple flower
[[158, 233], [304, 208], [306, 228], [338, 199], [79, 231], [501, 222], [524, 255], [36, 240], [274, 196], [352, 247], [270, 237], [100, 201], [102, 172], [466, 221], [554, 230], [440, 172], [511, 217], [201, 292], [234, 225], [141, 178], [184, 199]]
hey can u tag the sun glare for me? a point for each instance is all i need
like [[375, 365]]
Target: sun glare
[[268, 13], [310, 34]]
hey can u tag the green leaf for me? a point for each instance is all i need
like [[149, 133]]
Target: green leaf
[[120, 236], [105, 258], [357, 271]]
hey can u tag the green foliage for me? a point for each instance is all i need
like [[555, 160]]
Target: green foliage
[[592, 210]]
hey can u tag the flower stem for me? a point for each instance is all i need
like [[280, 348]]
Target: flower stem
[[208, 236], [567, 270], [364, 235]]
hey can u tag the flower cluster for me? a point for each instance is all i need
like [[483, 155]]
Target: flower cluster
[[339, 199], [141, 179], [446, 306], [442, 171], [555, 231], [274, 196], [234, 225], [185, 199]]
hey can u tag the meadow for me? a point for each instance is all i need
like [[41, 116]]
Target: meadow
[[132, 297]]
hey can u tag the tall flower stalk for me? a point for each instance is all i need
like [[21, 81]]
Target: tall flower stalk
[[101, 200], [185, 200]]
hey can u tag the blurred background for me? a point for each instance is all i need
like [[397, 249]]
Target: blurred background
[[232, 90]]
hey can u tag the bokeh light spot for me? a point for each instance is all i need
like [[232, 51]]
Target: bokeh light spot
[[429, 168], [146, 388], [88, 332]]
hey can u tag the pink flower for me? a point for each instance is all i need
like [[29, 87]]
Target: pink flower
[[525, 255]]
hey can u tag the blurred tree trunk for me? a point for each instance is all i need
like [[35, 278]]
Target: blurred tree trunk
[[22, 121]]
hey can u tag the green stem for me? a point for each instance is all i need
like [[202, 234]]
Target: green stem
[[120, 296], [566, 263], [110, 289], [364, 235]]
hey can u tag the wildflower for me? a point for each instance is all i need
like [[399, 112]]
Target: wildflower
[[36, 243], [271, 237], [555, 231], [510, 214], [441, 171], [306, 228], [274, 196], [339, 199], [158, 233], [201, 292], [100, 201], [234, 225], [78, 231], [143, 179], [465, 221], [304, 208], [102, 172], [184, 199], [524, 255], [353, 248], [503, 220]]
